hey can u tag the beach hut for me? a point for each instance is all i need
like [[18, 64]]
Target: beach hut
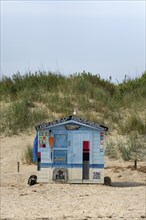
[[70, 150]]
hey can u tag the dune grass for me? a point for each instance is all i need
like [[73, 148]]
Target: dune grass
[[18, 116], [133, 123], [93, 97], [27, 156], [130, 148], [111, 150]]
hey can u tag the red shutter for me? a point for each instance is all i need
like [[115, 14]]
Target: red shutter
[[85, 146]]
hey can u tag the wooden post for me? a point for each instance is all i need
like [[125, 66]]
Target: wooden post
[[51, 159], [18, 166], [135, 164]]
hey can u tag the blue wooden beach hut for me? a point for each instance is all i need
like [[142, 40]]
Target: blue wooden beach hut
[[70, 150]]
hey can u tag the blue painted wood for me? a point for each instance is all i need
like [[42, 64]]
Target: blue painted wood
[[70, 147], [96, 166], [98, 157], [77, 148], [60, 157], [78, 138], [49, 165], [60, 141]]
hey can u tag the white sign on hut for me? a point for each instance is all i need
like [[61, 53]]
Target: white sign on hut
[[70, 150]]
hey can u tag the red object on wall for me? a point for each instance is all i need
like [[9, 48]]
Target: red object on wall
[[39, 154], [39, 157], [51, 141], [85, 146]]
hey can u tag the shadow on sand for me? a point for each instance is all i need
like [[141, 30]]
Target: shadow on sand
[[127, 184]]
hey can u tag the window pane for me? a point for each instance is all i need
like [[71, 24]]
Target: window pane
[[60, 141]]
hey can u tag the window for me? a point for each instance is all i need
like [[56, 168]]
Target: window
[[60, 141]]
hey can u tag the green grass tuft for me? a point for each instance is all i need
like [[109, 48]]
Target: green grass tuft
[[132, 149], [28, 156], [132, 123], [111, 150]]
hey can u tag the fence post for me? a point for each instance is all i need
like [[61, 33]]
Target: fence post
[[18, 166], [135, 164]]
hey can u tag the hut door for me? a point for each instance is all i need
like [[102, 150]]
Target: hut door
[[86, 160], [60, 149], [80, 154]]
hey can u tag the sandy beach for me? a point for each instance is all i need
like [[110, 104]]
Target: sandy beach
[[126, 199]]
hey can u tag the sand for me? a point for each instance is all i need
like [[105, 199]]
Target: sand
[[126, 199]]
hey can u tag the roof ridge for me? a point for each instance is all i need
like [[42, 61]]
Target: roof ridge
[[68, 118]]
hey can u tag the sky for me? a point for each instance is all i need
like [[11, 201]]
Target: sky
[[101, 37]]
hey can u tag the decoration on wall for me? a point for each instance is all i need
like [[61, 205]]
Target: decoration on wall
[[101, 141], [51, 142], [72, 127], [42, 141], [43, 133], [96, 175], [60, 175], [101, 136], [51, 139]]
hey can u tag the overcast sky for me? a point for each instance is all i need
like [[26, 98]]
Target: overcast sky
[[105, 37]]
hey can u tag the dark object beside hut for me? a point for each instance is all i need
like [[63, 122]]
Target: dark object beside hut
[[107, 181], [32, 180]]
